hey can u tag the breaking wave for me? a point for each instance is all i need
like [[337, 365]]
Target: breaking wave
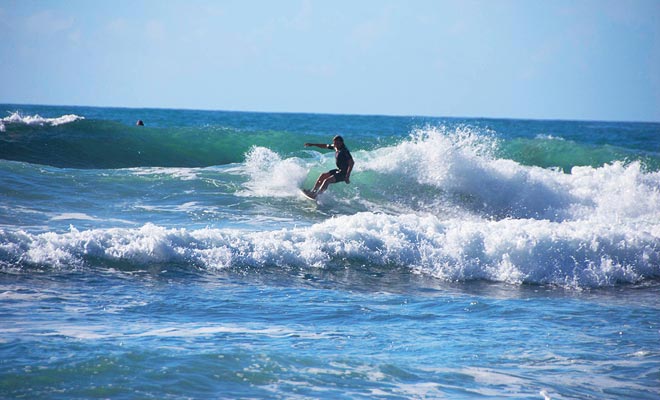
[[440, 203]]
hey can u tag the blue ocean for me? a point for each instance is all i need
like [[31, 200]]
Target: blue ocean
[[467, 258]]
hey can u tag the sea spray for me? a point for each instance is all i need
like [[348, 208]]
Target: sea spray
[[269, 175], [461, 164]]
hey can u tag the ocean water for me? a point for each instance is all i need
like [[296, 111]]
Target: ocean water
[[467, 258]]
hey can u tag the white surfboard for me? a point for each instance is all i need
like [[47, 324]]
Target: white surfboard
[[308, 194]]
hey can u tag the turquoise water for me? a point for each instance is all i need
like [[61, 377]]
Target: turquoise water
[[468, 258]]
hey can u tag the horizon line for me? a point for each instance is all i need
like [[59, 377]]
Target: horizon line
[[337, 113]]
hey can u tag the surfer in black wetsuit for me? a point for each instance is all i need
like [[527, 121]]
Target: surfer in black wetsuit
[[344, 162]]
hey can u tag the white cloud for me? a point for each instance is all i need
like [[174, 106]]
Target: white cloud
[[155, 30], [302, 20], [75, 37], [117, 27], [370, 32], [48, 23]]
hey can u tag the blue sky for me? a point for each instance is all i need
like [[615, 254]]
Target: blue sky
[[596, 60]]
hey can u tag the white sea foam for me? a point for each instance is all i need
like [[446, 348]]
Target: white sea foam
[[184, 174], [138, 330], [575, 253], [270, 175], [542, 136], [18, 118], [462, 164], [78, 216]]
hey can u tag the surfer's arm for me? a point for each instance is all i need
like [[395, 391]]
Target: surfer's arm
[[348, 170], [321, 145]]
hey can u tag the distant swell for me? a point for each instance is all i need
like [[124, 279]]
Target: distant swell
[[75, 142]]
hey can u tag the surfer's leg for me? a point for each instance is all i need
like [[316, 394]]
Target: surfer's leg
[[319, 182], [324, 185]]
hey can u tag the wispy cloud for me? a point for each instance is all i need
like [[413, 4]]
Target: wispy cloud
[[370, 32], [48, 23]]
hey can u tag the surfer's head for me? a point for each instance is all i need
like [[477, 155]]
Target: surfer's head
[[338, 141]]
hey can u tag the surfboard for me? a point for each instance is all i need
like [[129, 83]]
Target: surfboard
[[308, 194]]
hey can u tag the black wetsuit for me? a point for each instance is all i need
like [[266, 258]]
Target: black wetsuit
[[342, 158]]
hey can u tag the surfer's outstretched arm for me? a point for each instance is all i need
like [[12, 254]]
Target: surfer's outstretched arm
[[321, 145]]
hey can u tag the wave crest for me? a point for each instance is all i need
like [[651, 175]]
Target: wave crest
[[18, 118], [513, 251], [460, 167]]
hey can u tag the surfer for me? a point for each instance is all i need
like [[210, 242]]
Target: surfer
[[342, 173], [139, 122]]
